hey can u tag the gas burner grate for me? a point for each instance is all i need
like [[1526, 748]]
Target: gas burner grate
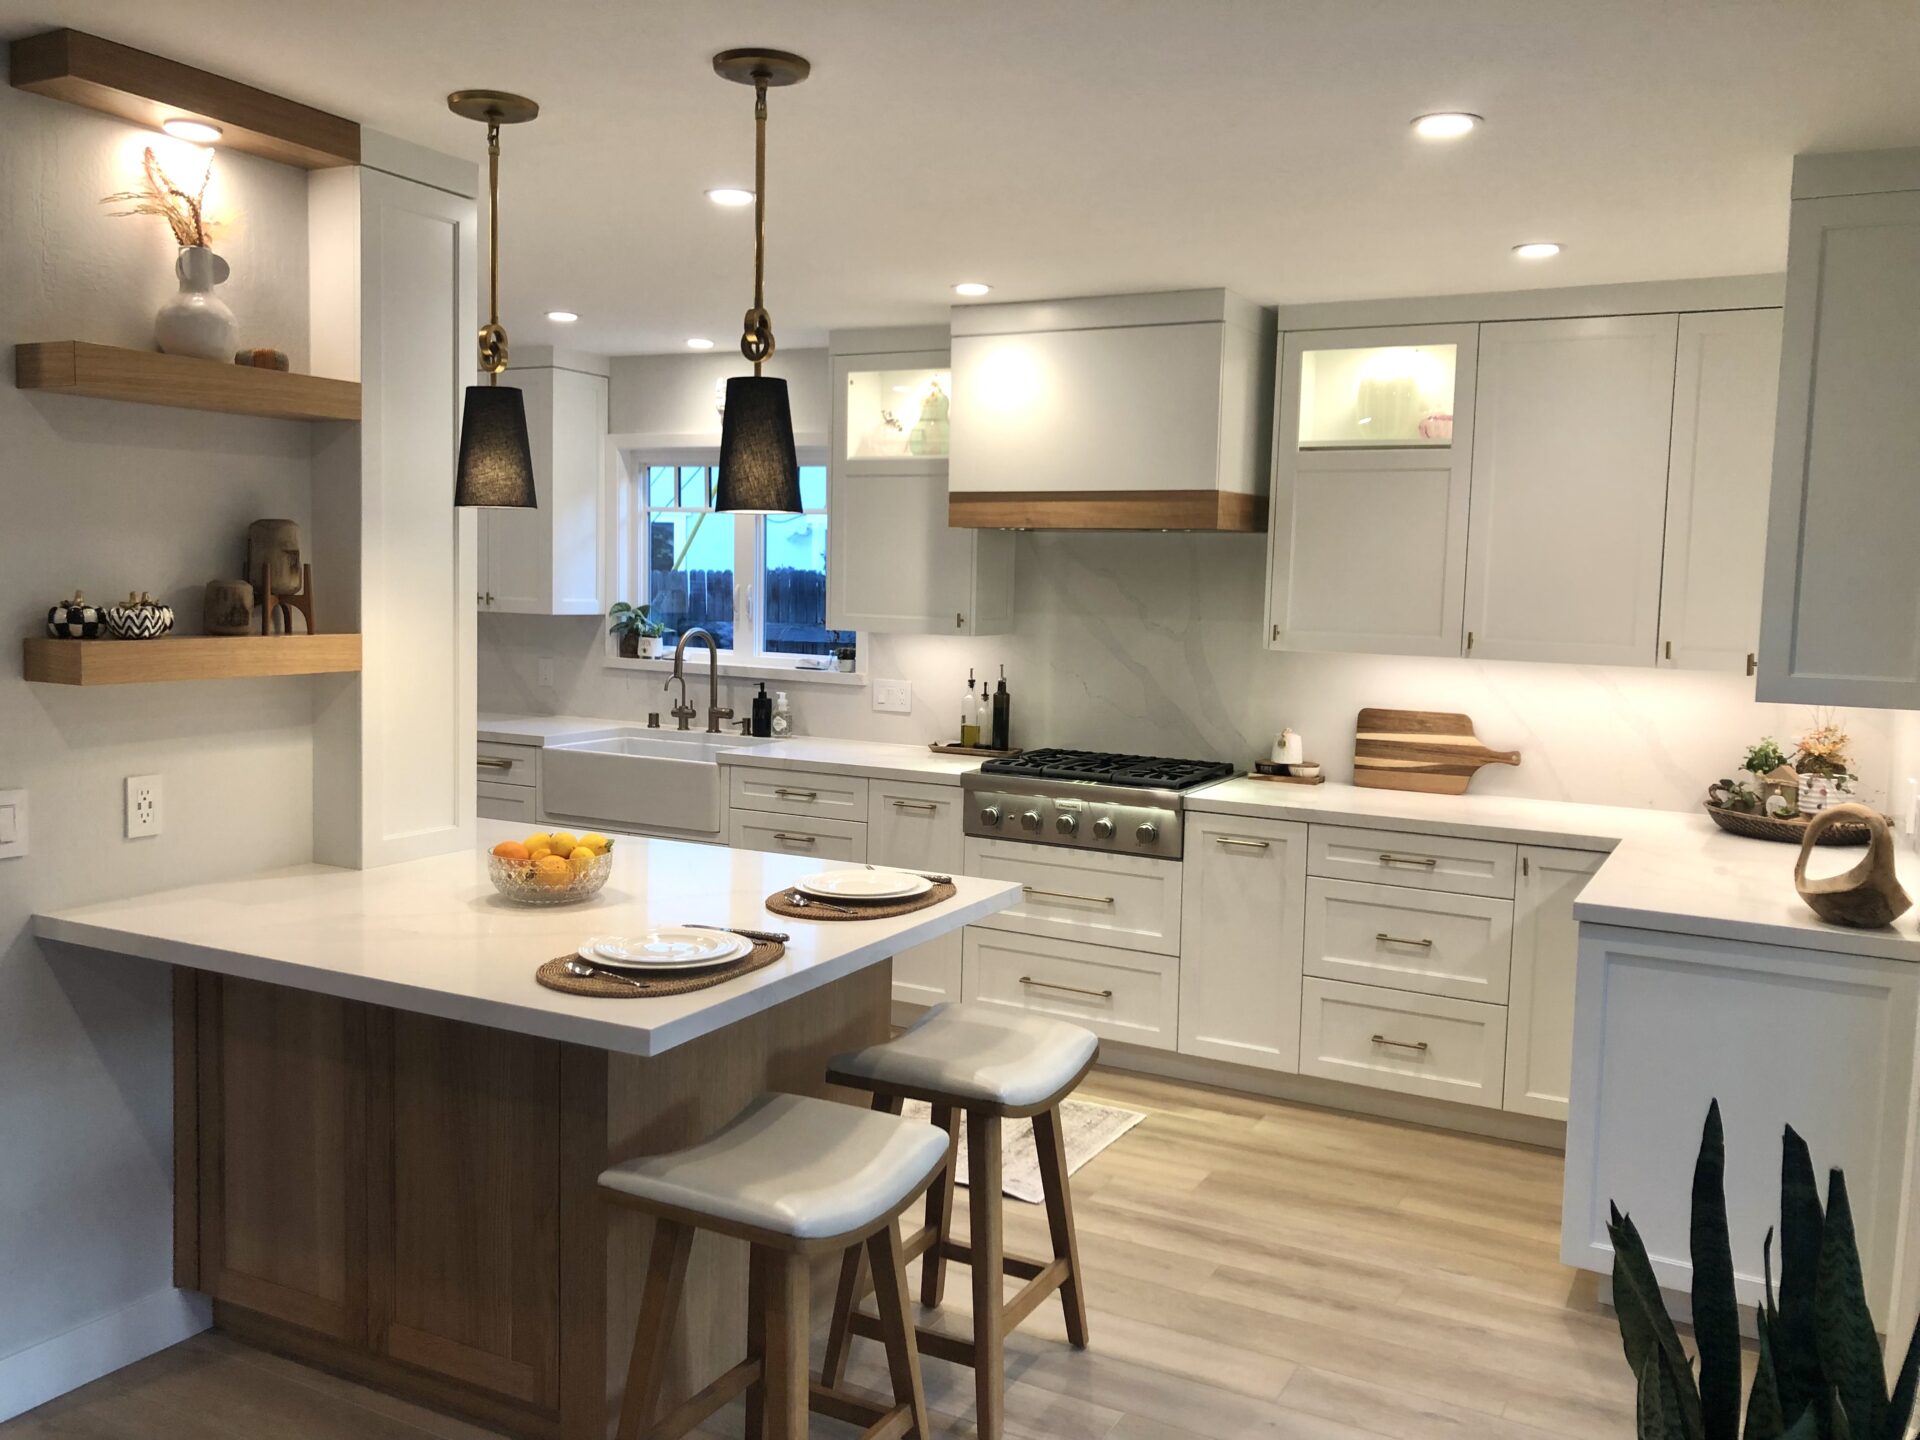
[[1145, 772]]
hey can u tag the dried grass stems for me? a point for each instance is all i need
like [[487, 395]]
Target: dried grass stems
[[158, 195]]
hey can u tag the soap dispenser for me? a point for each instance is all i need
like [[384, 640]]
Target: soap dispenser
[[782, 725], [763, 712]]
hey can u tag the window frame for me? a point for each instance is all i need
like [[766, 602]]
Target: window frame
[[625, 545]]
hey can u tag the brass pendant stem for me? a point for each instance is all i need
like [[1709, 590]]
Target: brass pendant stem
[[493, 339], [756, 340]]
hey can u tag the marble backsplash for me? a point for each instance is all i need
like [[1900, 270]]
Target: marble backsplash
[[1151, 643]]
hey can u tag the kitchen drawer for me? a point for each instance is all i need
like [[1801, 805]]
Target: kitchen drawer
[[1415, 1044], [507, 802], [1422, 940], [1127, 900], [929, 974], [835, 840], [798, 792], [1118, 994], [1425, 862], [503, 764], [914, 826]]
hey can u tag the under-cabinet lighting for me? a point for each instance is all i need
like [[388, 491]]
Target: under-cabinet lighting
[[198, 131]]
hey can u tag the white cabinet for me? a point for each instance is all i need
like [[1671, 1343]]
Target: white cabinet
[[1841, 613], [1112, 412], [1373, 453], [508, 781], [1725, 379], [546, 561], [1396, 1040], [834, 841], [1420, 940], [1570, 489], [1132, 901], [895, 566], [917, 827], [1125, 995], [1243, 884], [1540, 1005]]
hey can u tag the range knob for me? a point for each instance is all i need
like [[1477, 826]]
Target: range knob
[[1030, 820], [1147, 833], [1067, 823], [1103, 827], [990, 815]]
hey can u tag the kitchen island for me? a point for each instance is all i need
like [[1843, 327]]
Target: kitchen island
[[388, 1135]]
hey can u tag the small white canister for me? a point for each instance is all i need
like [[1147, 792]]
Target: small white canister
[[1288, 749]]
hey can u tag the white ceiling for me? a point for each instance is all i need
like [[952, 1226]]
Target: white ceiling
[[1062, 147]]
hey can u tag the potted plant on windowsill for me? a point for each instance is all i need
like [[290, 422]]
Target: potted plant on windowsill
[[636, 630]]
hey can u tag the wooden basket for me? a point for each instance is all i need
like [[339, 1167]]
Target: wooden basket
[[1786, 831]]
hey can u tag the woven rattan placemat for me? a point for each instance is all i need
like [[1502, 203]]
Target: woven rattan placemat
[[554, 976], [781, 903]]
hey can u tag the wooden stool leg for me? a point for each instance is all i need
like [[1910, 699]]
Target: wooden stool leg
[[840, 1334], [1050, 1142], [784, 1359], [889, 1261], [756, 1397], [659, 1304], [989, 1273], [933, 1268]]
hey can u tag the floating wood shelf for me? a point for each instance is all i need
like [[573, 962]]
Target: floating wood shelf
[[188, 657], [109, 372], [148, 89], [1222, 510]]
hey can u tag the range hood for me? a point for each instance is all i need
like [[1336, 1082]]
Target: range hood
[[1116, 412]]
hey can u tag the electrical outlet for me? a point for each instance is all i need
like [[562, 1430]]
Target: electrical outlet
[[893, 696], [143, 806], [546, 674], [13, 824]]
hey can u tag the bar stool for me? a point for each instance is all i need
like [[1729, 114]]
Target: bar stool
[[793, 1177], [995, 1065]]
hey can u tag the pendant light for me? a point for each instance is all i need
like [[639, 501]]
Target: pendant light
[[759, 468], [496, 461]]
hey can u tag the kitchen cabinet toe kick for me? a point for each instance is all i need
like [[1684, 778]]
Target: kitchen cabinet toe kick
[[414, 1201]]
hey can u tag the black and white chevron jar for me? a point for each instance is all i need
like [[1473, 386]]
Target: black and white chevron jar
[[140, 618], [75, 619]]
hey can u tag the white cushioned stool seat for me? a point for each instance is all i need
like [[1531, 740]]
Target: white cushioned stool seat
[[977, 1052], [794, 1166]]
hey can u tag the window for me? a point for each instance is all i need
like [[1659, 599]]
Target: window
[[756, 583]]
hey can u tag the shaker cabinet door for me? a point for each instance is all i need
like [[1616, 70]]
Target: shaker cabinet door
[[1546, 945]]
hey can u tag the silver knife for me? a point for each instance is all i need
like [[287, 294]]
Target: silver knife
[[779, 935]]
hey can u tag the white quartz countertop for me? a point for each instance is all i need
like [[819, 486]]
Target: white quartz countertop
[[872, 759], [432, 936], [1665, 869]]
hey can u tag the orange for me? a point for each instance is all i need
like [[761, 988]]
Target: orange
[[552, 871], [512, 850]]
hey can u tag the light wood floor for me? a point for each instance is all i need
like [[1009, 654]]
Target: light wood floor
[[1254, 1269]]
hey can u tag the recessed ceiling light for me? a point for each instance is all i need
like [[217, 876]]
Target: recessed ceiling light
[[198, 131], [562, 317], [1444, 125], [727, 196], [699, 342], [1537, 250], [971, 288]]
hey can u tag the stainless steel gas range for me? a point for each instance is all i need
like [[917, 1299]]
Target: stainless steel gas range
[[1122, 804]]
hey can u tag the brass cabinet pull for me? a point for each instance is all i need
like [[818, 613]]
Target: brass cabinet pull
[[1668, 648], [1752, 664], [959, 621], [1419, 1046], [1418, 862], [1068, 989], [492, 762], [1386, 939], [786, 839], [926, 805], [1243, 844], [797, 794], [1067, 895]]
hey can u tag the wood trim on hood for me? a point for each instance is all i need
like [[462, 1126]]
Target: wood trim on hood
[[1222, 510]]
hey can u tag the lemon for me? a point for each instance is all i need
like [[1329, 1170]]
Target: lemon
[[562, 842], [596, 842], [541, 841], [582, 858]]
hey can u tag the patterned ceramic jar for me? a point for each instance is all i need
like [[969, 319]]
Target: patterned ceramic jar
[[141, 618], [75, 619]]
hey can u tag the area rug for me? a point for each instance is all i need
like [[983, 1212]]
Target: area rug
[[1089, 1128]]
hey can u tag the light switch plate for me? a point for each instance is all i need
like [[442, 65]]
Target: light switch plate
[[893, 696], [13, 824], [143, 806], [545, 672]]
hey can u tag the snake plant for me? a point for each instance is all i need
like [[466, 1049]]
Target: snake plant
[[1820, 1374]]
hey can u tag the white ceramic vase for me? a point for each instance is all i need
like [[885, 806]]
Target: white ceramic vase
[[196, 321]]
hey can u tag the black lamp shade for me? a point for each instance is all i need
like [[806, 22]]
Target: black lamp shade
[[496, 462], [759, 468]]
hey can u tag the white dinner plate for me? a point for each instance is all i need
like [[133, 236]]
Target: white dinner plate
[[673, 948], [864, 885]]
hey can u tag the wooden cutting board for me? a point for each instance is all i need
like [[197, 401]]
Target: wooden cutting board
[[1428, 750]]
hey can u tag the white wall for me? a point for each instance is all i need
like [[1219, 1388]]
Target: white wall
[[674, 394], [1152, 643], [112, 497]]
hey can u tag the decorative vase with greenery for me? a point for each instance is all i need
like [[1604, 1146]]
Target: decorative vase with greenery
[[1820, 1374], [195, 321], [1823, 757], [636, 629]]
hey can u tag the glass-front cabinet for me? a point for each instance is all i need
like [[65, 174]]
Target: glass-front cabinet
[[1371, 396], [896, 415]]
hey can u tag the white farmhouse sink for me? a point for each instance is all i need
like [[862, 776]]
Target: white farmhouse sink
[[635, 779]]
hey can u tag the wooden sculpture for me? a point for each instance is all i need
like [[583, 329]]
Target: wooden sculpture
[[1867, 897]]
